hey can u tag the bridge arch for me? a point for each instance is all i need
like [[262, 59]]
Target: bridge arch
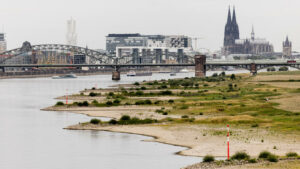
[[94, 55]]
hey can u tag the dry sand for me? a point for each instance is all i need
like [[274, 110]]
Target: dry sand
[[202, 140]]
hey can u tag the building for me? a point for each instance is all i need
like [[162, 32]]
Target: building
[[234, 45], [152, 41], [3, 44], [287, 48], [71, 37]]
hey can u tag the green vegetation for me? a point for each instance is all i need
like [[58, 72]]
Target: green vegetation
[[59, 103], [95, 121], [127, 120], [208, 159], [292, 154], [283, 68], [240, 156], [272, 158], [264, 154]]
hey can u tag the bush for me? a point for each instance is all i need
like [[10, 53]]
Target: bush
[[113, 121], [59, 104], [137, 83], [92, 94], [148, 102], [143, 88], [157, 102], [253, 160], [232, 77], [200, 113], [95, 102], [165, 113], [208, 159], [185, 116], [139, 93], [283, 68], [272, 158], [109, 103], [171, 101], [117, 101], [125, 118], [85, 103], [111, 94], [167, 92], [184, 107], [95, 121], [240, 156], [264, 154], [291, 154]]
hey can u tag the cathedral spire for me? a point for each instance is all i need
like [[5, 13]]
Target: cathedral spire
[[229, 16], [233, 16]]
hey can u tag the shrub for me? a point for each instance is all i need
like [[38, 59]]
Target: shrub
[[215, 75], [143, 88], [95, 121], [283, 68], [92, 94], [125, 118], [167, 92], [185, 116], [59, 104], [208, 159], [111, 94], [148, 102], [240, 156], [184, 107], [253, 160], [113, 121], [200, 113], [139, 93], [85, 103], [109, 103], [264, 154], [164, 86], [157, 102], [272, 158], [95, 102], [165, 113], [137, 83], [171, 101], [254, 125], [291, 154], [232, 77], [93, 88], [117, 101]]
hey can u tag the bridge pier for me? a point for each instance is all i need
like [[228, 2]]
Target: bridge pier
[[116, 74], [253, 69], [200, 66]]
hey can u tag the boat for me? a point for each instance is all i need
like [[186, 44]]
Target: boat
[[173, 74], [184, 70], [67, 76], [131, 73]]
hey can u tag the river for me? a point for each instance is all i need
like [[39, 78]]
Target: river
[[35, 139]]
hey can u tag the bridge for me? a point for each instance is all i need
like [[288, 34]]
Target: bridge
[[99, 59]]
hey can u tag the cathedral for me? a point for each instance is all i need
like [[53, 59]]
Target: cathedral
[[234, 45]]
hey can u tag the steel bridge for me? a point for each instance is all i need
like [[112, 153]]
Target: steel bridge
[[102, 60]]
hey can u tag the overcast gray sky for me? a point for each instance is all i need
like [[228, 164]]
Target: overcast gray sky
[[41, 21]]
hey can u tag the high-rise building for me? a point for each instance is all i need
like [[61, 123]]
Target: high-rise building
[[3, 45], [71, 36], [234, 45], [287, 48]]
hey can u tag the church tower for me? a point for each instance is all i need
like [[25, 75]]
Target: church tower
[[287, 48], [231, 33]]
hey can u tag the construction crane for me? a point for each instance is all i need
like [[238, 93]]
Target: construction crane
[[195, 39]]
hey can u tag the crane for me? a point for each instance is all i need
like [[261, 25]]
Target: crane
[[196, 42]]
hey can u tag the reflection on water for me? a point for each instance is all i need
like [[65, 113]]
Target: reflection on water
[[34, 139]]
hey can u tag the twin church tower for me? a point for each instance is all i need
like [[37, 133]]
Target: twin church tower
[[234, 45], [231, 29]]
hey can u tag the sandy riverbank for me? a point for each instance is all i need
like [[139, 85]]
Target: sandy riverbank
[[202, 140]]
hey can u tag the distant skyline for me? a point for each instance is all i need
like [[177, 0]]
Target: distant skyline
[[45, 21]]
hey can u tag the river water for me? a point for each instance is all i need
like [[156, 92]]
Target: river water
[[35, 139]]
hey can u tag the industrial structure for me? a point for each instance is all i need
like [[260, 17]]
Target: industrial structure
[[234, 45], [137, 48]]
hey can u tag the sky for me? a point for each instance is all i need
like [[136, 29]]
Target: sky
[[40, 21]]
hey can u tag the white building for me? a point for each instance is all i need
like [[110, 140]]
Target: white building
[[3, 44], [71, 36]]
